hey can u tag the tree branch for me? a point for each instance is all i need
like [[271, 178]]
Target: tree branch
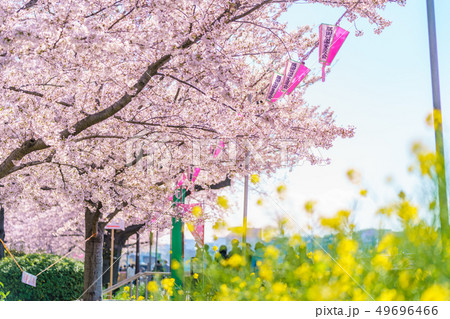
[[12, 88], [225, 183]]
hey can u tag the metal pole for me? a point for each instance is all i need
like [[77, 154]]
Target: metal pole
[[156, 249], [244, 222], [438, 131], [138, 254], [137, 262], [112, 264]]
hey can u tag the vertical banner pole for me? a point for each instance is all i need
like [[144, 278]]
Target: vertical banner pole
[[438, 131], [111, 269], [176, 256]]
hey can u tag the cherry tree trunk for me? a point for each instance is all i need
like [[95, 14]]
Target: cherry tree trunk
[[93, 258]]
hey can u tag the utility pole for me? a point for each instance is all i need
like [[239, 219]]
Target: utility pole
[[437, 116]]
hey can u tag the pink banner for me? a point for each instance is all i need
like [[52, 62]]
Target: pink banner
[[277, 95], [275, 87], [326, 34], [216, 152], [289, 74], [299, 76], [331, 39], [181, 181], [198, 231], [187, 208], [339, 37], [193, 173]]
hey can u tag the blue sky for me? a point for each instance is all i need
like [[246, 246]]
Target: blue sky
[[381, 85]]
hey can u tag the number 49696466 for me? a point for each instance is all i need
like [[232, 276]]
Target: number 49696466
[[403, 310]]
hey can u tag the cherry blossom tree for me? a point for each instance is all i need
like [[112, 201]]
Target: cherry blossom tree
[[106, 103]]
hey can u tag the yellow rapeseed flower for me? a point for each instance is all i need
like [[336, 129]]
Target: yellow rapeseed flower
[[407, 212], [281, 190], [336, 221], [254, 178], [265, 272], [429, 120], [236, 261], [167, 284], [140, 298], [346, 247], [271, 252], [152, 286], [278, 288], [309, 206], [295, 240], [427, 161], [195, 276], [222, 201], [436, 293], [197, 211], [437, 116], [318, 256], [388, 243], [303, 272], [269, 233], [388, 295], [404, 279], [382, 261], [175, 265]]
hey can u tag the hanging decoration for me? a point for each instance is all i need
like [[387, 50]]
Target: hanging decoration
[[197, 228], [198, 231], [331, 38], [192, 173], [29, 279], [274, 92], [216, 151], [281, 84], [294, 73]]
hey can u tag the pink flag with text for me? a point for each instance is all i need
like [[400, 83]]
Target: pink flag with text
[[274, 92], [291, 82], [331, 39]]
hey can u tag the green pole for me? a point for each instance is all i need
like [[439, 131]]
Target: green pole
[[176, 249]]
